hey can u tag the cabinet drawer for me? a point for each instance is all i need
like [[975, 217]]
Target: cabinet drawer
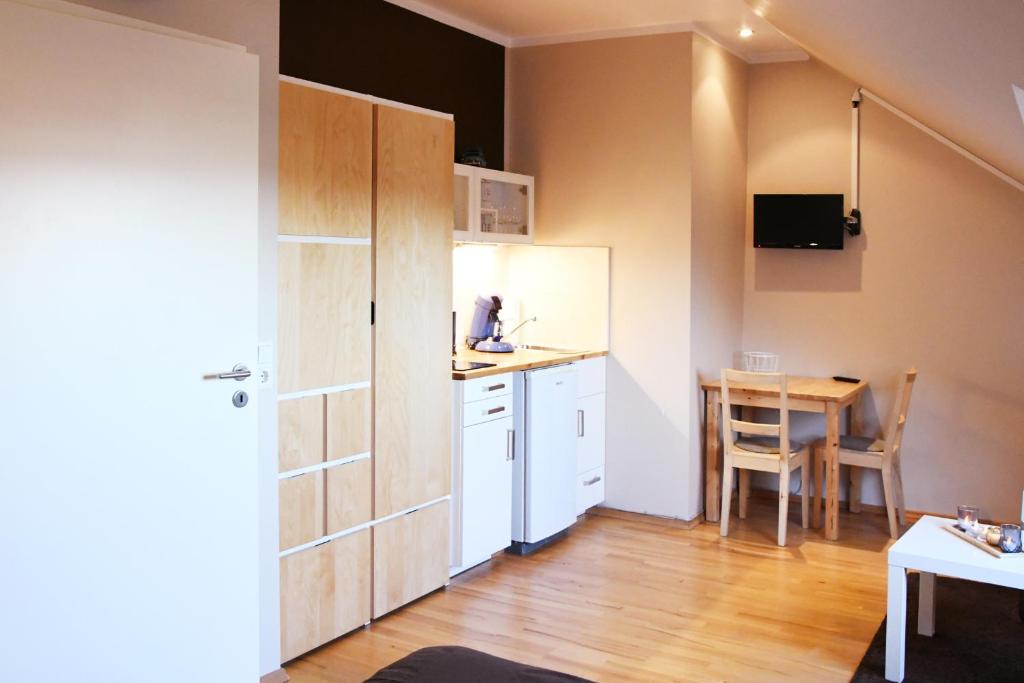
[[348, 495], [348, 423], [300, 432], [410, 557], [301, 509], [486, 387], [325, 593], [486, 410], [589, 489], [590, 378]]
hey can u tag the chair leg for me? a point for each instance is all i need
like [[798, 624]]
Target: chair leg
[[805, 495], [819, 482], [856, 476], [901, 507], [727, 471], [744, 493], [890, 499], [783, 502]]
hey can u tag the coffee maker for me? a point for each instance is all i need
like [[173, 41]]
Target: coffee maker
[[485, 330]]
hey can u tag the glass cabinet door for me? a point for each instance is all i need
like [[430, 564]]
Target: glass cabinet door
[[505, 208], [463, 225]]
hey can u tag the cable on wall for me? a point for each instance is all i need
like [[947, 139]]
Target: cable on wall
[[853, 221]]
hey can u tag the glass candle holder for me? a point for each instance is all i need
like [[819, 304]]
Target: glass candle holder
[[1009, 538], [967, 516]]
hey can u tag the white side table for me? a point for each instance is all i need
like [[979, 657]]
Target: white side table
[[930, 550]]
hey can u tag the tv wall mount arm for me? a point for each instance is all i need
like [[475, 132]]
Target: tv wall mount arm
[[853, 221]]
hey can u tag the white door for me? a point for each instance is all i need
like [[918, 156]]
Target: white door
[[128, 510], [487, 452], [550, 466]]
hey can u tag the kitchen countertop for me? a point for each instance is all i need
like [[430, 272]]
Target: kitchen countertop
[[520, 359]]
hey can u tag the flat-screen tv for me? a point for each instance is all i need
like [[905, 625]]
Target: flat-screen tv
[[798, 221]]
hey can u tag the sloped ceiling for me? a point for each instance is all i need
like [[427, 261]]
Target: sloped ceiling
[[951, 64]]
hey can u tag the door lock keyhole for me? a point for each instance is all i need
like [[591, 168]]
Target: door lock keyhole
[[240, 399]]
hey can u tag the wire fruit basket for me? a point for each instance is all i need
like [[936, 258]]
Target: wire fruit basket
[[760, 361]]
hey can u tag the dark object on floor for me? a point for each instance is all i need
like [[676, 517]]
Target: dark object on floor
[[978, 636], [451, 664]]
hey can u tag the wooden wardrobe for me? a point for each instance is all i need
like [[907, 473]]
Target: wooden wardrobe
[[364, 380]]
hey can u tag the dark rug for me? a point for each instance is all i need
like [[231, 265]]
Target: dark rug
[[451, 664], [978, 637]]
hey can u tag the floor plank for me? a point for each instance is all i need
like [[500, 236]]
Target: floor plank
[[629, 598]]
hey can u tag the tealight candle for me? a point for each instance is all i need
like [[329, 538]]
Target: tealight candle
[[967, 516], [1009, 539]]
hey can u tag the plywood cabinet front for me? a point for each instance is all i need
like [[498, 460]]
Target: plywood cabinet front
[[348, 495], [348, 423], [301, 505], [324, 164], [324, 315], [325, 593], [413, 259], [410, 557], [300, 433]]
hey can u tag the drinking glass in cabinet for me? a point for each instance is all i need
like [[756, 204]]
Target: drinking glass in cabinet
[[504, 207]]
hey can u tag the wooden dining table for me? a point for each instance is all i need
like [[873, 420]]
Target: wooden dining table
[[805, 394]]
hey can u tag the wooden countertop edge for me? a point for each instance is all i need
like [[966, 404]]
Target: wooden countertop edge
[[526, 365]]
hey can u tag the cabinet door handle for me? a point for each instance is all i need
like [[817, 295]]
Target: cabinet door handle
[[581, 424], [492, 411], [510, 445], [592, 481], [495, 387]]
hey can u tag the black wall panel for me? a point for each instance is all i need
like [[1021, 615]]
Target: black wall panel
[[376, 48]]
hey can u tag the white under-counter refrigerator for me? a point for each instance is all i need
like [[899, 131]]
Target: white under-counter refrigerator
[[483, 452], [544, 470]]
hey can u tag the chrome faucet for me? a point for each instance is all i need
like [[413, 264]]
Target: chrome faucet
[[516, 328]]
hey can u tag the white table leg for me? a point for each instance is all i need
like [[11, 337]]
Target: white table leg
[[896, 624], [926, 605]]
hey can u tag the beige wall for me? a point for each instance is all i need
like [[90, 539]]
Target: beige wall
[[936, 281], [254, 24], [719, 147], [605, 128]]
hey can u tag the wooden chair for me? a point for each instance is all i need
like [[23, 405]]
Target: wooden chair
[[760, 447], [881, 454]]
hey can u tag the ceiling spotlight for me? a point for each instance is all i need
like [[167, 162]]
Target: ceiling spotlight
[[746, 32]]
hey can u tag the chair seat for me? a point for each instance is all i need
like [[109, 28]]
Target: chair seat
[[765, 444], [864, 444]]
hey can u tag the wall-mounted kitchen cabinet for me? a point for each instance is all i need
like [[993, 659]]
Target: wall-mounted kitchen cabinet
[[364, 476], [492, 206]]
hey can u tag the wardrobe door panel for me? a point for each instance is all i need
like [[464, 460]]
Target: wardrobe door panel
[[323, 315], [413, 271], [325, 163], [410, 557]]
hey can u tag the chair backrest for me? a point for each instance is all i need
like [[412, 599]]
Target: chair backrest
[[898, 416], [740, 379]]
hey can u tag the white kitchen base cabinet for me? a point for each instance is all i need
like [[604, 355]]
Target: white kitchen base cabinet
[[590, 433], [589, 489], [483, 438]]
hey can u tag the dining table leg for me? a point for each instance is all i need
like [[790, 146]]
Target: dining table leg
[[713, 448], [856, 427], [832, 471]]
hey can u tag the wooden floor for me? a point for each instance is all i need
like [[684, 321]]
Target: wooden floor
[[641, 599]]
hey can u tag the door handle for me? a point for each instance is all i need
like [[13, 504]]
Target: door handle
[[238, 373], [592, 481], [581, 424], [495, 387], [510, 445], [492, 411]]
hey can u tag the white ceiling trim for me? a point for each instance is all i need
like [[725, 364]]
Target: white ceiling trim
[[453, 20], [782, 56], [584, 36]]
